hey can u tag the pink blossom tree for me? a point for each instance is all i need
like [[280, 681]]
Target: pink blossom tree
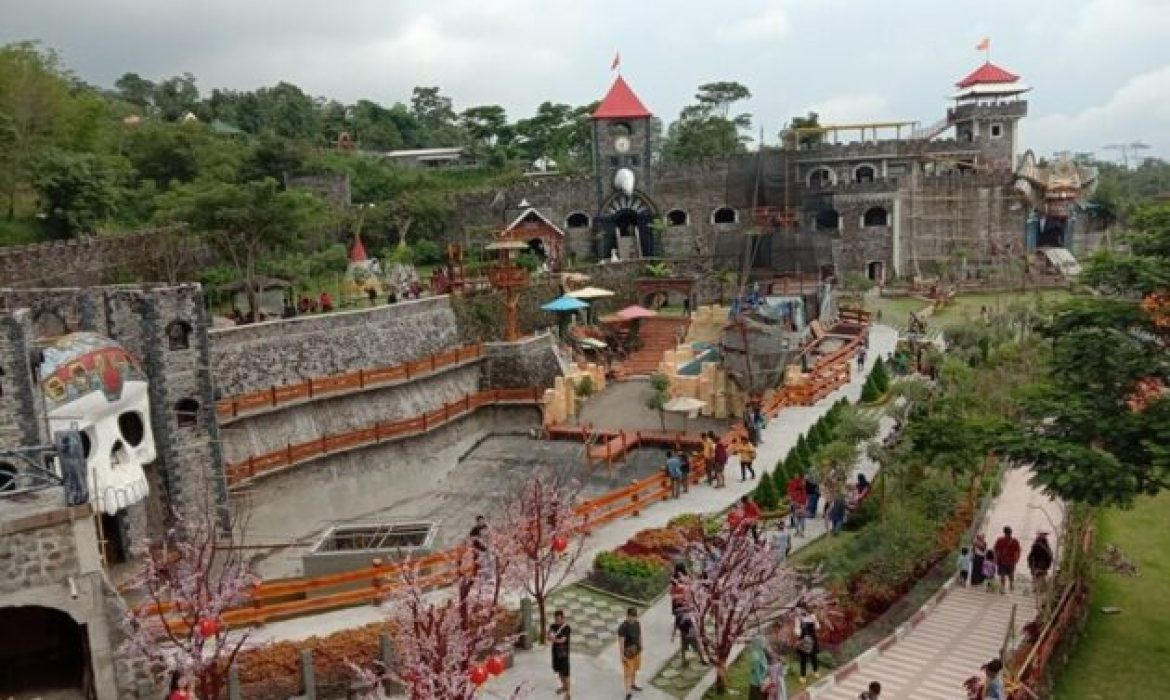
[[542, 536], [442, 639], [735, 588], [185, 584]]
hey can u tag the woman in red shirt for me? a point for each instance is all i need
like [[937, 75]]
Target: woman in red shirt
[[180, 687]]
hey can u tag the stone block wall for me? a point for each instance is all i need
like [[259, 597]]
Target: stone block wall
[[529, 362], [21, 400], [275, 353]]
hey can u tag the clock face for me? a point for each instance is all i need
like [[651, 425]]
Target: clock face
[[621, 144]]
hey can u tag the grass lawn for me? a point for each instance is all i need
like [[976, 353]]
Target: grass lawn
[[895, 311], [1125, 655]]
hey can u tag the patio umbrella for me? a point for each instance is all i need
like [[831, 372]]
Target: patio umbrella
[[563, 307], [590, 293], [635, 312], [688, 407]]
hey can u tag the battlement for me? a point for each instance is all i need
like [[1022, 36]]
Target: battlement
[[1014, 109]]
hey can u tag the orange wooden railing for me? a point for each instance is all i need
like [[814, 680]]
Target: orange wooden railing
[[292, 454], [316, 387]]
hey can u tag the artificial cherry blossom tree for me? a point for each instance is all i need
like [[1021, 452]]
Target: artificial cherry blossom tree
[[735, 588], [542, 536], [178, 597]]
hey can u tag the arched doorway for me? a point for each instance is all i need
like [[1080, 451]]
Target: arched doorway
[[536, 247], [626, 220], [876, 271], [1052, 233], [43, 653]]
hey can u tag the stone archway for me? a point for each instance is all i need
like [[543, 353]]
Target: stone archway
[[44, 653], [629, 217]]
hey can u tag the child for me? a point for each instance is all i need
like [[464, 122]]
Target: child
[[964, 567], [989, 570]]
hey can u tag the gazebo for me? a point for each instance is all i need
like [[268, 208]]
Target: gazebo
[[544, 238]]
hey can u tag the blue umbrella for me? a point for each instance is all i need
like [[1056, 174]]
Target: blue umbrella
[[565, 303]]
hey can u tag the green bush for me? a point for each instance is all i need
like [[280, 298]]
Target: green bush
[[765, 495], [864, 514], [869, 392], [427, 252], [880, 376], [641, 578], [936, 498], [802, 448]]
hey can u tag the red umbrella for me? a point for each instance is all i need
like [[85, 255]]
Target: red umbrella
[[632, 313]]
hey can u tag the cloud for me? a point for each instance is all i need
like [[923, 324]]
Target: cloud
[[769, 24], [1114, 22], [1138, 110], [845, 109]]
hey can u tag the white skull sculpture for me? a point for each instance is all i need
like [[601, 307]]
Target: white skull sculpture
[[92, 383], [623, 181]]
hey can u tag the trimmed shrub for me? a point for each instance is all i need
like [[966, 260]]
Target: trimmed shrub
[[869, 392], [880, 376], [640, 577], [765, 495]]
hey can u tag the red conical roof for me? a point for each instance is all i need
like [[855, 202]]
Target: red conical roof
[[987, 73], [358, 252], [620, 103]]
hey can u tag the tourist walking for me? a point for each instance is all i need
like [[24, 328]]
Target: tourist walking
[[777, 688], [812, 492], [837, 510], [978, 553], [559, 633], [781, 542], [873, 692], [989, 570], [709, 456], [758, 670], [629, 635], [688, 634], [747, 455], [674, 473], [720, 465], [1040, 558], [685, 460], [964, 567], [1007, 555], [180, 687], [993, 687], [326, 302], [480, 552], [807, 644], [751, 516]]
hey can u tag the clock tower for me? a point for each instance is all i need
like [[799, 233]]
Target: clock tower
[[621, 164], [621, 138]]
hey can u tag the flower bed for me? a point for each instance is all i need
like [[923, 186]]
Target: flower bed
[[640, 568]]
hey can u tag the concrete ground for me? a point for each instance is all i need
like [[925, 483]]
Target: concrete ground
[[622, 406]]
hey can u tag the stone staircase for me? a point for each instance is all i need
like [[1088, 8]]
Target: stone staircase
[[658, 335]]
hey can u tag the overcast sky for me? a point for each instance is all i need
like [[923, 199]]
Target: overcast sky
[[1100, 69]]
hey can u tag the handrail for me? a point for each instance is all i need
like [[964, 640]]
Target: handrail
[[316, 387], [292, 454]]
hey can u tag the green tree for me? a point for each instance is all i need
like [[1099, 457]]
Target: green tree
[[287, 111], [802, 132], [246, 222], [436, 116], [659, 395], [33, 95], [487, 125], [765, 494], [869, 391], [175, 97], [136, 90], [77, 191], [718, 97]]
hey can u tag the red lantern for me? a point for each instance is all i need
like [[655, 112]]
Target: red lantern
[[208, 627], [478, 675], [495, 665], [559, 544]]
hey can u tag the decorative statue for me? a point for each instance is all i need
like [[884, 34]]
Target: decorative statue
[[623, 181], [94, 385]]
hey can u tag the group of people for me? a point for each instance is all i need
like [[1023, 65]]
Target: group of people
[[712, 456], [804, 500], [995, 568]]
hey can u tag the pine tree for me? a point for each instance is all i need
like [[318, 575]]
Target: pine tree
[[881, 376], [802, 447], [766, 495], [870, 392]]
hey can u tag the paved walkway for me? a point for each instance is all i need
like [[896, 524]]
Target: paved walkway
[[598, 674], [967, 628]]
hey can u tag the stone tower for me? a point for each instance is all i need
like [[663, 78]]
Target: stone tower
[[988, 108], [621, 160]]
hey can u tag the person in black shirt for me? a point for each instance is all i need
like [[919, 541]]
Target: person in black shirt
[[479, 544], [558, 635], [630, 649]]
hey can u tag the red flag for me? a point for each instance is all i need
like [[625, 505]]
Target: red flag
[[617, 61], [984, 45]]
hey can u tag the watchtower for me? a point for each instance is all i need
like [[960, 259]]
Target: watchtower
[[987, 108], [621, 161]]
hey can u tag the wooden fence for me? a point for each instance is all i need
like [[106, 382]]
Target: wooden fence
[[317, 387], [245, 470]]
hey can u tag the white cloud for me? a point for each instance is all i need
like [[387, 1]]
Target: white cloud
[[1138, 110], [1120, 22], [769, 24], [845, 109]]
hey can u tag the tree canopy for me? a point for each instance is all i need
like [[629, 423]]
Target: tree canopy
[[705, 129]]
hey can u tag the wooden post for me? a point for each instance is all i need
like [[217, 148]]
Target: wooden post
[[272, 395], [288, 453], [434, 364], [361, 378], [308, 675], [634, 499], [309, 381]]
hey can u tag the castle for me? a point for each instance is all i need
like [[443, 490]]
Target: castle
[[899, 200]]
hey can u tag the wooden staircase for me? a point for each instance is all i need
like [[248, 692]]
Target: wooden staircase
[[657, 335]]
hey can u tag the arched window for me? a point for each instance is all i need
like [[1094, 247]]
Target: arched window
[[676, 217], [178, 335], [828, 220], [724, 215], [864, 173], [577, 220], [187, 412], [875, 216], [822, 177]]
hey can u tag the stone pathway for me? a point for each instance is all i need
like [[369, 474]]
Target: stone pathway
[[593, 616], [967, 628]]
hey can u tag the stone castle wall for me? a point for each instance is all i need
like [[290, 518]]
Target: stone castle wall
[[95, 260], [261, 355]]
